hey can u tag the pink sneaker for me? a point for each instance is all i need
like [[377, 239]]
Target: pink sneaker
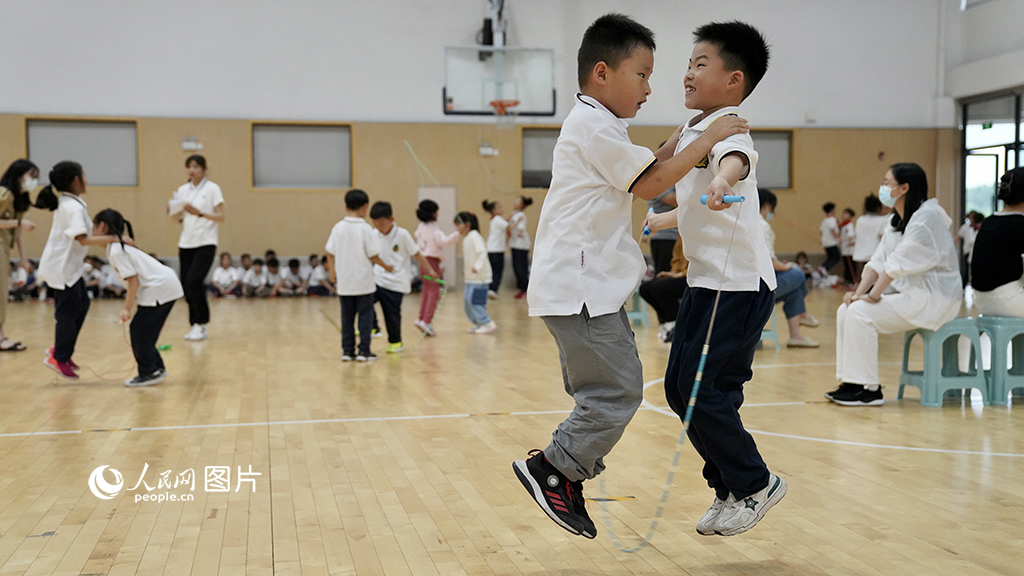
[[61, 368], [70, 362]]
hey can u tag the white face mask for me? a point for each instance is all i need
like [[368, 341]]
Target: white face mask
[[88, 268], [885, 196], [29, 184]]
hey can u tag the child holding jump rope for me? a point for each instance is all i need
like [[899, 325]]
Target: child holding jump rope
[[432, 242], [152, 285]]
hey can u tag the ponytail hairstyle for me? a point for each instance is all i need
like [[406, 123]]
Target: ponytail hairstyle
[[116, 224], [61, 177], [427, 211], [526, 200], [489, 207], [467, 218], [913, 175], [12, 181]]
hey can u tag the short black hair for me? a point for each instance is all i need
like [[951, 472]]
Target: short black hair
[[293, 263], [257, 262], [872, 205], [828, 207], [741, 46], [1011, 187], [610, 39], [273, 263], [427, 211], [851, 211], [356, 199], [245, 255], [198, 159], [380, 210], [768, 197]]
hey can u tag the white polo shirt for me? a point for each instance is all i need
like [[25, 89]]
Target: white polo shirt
[[254, 279], [196, 231], [396, 249], [585, 253], [158, 284], [496, 236], [706, 233], [60, 266], [352, 243], [224, 277], [519, 239]]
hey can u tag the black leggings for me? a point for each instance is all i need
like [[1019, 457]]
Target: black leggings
[[145, 330], [70, 307], [195, 265], [664, 294], [831, 258], [521, 266], [497, 268]]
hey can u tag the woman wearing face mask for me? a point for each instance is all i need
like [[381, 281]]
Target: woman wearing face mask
[[918, 259], [19, 179]]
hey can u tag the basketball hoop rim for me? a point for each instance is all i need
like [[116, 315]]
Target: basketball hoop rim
[[504, 106]]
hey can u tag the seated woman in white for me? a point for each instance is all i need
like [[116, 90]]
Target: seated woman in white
[[998, 262], [918, 259]]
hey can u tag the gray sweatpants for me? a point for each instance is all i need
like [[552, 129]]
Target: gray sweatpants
[[603, 374]]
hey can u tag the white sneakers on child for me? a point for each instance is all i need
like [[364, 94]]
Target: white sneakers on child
[[424, 327], [484, 328], [198, 332], [731, 516]]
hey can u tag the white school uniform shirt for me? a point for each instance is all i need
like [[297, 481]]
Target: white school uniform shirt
[[305, 271], [585, 253], [967, 235], [353, 244], [829, 227], [769, 235], [397, 247], [272, 278], [520, 238], [158, 284], [253, 279], [496, 240], [474, 257], [292, 280], [867, 234], [847, 239], [224, 277], [318, 275], [60, 266], [736, 265], [109, 277], [196, 231], [924, 266]]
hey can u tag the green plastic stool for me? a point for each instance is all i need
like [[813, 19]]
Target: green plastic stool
[[941, 365], [638, 315], [1004, 331]]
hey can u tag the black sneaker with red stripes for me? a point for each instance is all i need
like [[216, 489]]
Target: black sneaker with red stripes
[[559, 498]]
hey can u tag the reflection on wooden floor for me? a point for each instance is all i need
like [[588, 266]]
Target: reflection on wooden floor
[[402, 466]]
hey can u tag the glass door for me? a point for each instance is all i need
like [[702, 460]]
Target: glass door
[[992, 133]]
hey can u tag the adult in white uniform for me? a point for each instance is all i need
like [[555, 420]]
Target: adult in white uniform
[[918, 259], [201, 206]]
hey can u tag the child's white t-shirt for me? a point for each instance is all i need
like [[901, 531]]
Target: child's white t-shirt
[[60, 266], [158, 284], [496, 236], [585, 252], [474, 257], [109, 277], [273, 278], [317, 276], [519, 239], [397, 247], [867, 234], [254, 279], [829, 232], [353, 244], [736, 261], [196, 231], [224, 277], [292, 279], [847, 238]]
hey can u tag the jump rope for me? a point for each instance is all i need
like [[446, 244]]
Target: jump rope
[[646, 540], [117, 376]]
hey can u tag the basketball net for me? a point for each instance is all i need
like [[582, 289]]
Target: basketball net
[[506, 112]]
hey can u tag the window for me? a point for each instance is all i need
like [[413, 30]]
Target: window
[[773, 158], [107, 151], [295, 156], [538, 149], [992, 135]]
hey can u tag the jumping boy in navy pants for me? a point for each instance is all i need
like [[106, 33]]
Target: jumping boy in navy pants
[[587, 262], [727, 251]]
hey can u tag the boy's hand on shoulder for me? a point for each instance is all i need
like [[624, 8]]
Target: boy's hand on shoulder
[[717, 190], [726, 126]]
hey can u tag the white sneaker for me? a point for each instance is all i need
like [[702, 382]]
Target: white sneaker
[[706, 524], [424, 327], [492, 295], [484, 329], [198, 332], [738, 516], [664, 330]]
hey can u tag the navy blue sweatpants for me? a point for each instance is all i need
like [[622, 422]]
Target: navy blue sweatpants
[[731, 460]]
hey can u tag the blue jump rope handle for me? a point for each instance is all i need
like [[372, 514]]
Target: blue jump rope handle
[[727, 199], [647, 231]]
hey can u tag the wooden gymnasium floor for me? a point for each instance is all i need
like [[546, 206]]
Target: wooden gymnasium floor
[[403, 466]]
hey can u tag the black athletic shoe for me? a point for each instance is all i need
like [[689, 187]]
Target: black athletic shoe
[[580, 507], [554, 493], [862, 397], [844, 389], [147, 380]]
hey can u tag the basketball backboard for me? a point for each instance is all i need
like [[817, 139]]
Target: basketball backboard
[[474, 76]]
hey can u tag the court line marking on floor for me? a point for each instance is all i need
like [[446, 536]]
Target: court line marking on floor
[[645, 405]]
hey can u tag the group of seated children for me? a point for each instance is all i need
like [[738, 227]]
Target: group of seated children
[[263, 277], [24, 282]]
